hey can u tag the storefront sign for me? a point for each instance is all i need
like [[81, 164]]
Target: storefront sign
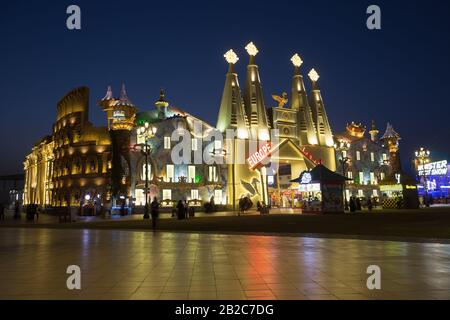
[[438, 168], [306, 178], [311, 187], [256, 158]]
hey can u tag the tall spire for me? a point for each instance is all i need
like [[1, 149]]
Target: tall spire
[[324, 134], [254, 98], [124, 100], [109, 94], [232, 113], [299, 101]]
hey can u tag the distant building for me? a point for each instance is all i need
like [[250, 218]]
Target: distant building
[[363, 159], [11, 189]]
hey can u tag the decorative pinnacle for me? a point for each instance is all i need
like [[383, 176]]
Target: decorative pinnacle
[[296, 60], [313, 75], [251, 49], [109, 94], [231, 57]]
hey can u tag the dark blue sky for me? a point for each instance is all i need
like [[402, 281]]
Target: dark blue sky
[[399, 74]]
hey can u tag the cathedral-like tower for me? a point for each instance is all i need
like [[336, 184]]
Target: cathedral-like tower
[[324, 134], [299, 101], [232, 113], [391, 139], [121, 115], [254, 99]]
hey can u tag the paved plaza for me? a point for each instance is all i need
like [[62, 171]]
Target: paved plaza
[[144, 265]]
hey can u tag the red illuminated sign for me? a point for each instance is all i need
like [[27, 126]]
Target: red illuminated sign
[[263, 153]]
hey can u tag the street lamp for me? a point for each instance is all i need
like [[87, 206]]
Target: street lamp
[[422, 157], [343, 146], [146, 131]]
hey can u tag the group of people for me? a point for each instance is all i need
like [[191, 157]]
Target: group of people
[[32, 211], [354, 204], [183, 211]]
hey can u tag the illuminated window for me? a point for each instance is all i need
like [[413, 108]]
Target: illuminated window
[[194, 194], [372, 156], [372, 178], [194, 144], [347, 194], [191, 174], [375, 193], [167, 194], [218, 196], [358, 155], [360, 193], [382, 175], [140, 138], [270, 180], [170, 173], [350, 174], [212, 173], [149, 167], [384, 156], [166, 143], [140, 198], [344, 154], [361, 177]]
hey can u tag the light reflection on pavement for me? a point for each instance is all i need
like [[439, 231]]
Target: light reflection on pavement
[[143, 265]]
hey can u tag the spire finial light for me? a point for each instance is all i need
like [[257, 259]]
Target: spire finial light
[[296, 60], [313, 75], [251, 49], [231, 57]]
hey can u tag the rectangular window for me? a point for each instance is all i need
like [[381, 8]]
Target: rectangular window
[[194, 194], [344, 154], [361, 177], [212, 174], [140, 198], [140, 138], [382, 175], [375, 193], [218, 196], [372, 178], [372, 156], [149, 167], [384, 156], [167, 194], [166, 143], [194, 144], [350, 174], [270, 180], [347, 194], [360, 193], [358, 155], [170, 173], [191, 174]]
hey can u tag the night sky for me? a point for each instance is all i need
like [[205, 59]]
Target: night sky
[[398, 74]]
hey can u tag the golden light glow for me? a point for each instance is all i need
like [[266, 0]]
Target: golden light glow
[[251, 49], [231, 57], [296, 60], [313, 75]]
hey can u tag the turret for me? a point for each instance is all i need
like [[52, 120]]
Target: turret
[[373, 132]]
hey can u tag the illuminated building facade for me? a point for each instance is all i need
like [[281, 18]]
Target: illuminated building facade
[[362, 159], [72, 166], [436, 176]]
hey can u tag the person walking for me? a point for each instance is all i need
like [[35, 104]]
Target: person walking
[[16, 211], [358, 204], [369, 204], [180, 210], [154, 212], [186, 210], [2, 212], [352, 204]]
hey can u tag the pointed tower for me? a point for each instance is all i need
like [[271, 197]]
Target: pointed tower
[[107, 105], [161, 105], [390, 140], [232, 114], [324, 134], [373, 132], [254, 99], [299, 101]]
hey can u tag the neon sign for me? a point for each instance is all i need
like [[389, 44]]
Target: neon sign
[[256, 158], [438, 168]]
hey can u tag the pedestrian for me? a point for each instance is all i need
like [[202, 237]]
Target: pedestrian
[[369, 204], [36, 212], [352, 204], [180, 210], [358, 204], [2, 211], [154, 211], [16, 211], [186, 209], [122, 209]]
